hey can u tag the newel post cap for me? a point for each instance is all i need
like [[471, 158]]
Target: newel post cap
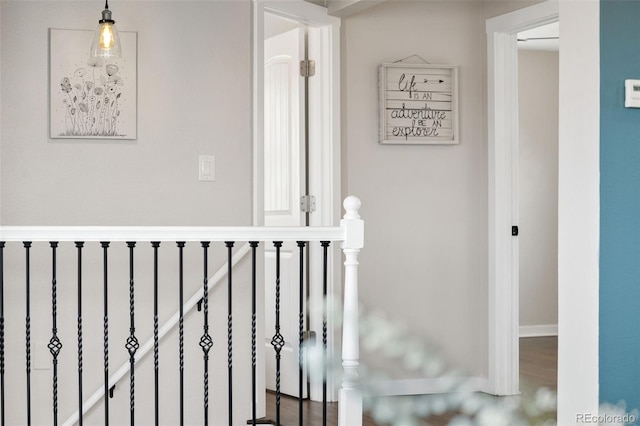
[[352, 224]]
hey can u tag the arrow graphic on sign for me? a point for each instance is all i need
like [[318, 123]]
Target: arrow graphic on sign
[[434, 81]]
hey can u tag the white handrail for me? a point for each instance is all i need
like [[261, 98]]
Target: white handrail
[[148, 345], [169, 233]]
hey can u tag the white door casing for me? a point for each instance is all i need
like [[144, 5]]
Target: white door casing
[[502, 94]]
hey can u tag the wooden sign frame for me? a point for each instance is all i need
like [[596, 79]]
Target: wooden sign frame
[[418, 104]]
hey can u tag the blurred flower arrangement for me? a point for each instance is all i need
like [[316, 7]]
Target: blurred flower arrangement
[[91, 100], [459, 405]]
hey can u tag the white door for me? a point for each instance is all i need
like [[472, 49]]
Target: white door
[[284, 180]]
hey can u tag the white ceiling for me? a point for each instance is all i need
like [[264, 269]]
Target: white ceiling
[[549, 32]]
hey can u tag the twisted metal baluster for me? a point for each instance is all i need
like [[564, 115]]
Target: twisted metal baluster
[[180, 245], [105, 331], [301, 245], [132, 344], [205, 341], [2, 243], [79, 245], [27, 246], [325, 258], [54, 343], [156, 341], [229, 245], [254, 245], [277, 341]]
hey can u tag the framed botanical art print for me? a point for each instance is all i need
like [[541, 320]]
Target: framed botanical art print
[[91, 98]]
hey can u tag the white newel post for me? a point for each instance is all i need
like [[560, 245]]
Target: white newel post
[[350, 396]]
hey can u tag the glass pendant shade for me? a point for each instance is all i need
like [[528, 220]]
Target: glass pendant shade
[[106, 41]]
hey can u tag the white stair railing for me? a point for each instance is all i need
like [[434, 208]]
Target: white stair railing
[[350, 234]]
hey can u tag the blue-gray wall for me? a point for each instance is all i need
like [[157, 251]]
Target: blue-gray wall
[[620, 206]]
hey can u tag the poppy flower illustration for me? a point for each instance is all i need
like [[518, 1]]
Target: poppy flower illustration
[[111, 69], [65, 84], [92, 99]]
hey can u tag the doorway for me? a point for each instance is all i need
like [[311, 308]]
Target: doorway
[[538, 135], [285, 182], [503, 160], [318, 159]]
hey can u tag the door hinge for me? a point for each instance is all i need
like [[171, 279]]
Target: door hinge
[[307, 204], [307, 68]]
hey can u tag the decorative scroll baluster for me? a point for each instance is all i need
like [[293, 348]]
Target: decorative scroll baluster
[[79, 245], [27, 246], [54, 343], [156, 341], [277, 341], [2, 332], [105, 331], [205, 341], [254, 245], [229, 245], [180, 245], [325, 258], [132, 344], [301, 245]]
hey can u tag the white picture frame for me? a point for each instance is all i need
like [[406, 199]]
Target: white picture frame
[[91, 98], [418, 104]]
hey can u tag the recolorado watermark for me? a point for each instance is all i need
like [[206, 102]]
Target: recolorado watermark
[[605, 419]]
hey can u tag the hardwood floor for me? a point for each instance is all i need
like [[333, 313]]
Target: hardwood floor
[[538, 368]]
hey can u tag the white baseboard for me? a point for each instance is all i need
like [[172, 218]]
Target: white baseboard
[[538, 330], [425, 386]]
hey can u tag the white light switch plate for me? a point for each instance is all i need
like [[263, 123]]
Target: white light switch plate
[[632, 93], [207, 168]]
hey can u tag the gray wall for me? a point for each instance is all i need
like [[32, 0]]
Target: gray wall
[[538, 115], [425, 207], [193, 98]]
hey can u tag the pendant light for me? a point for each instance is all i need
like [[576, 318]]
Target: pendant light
[[106, 41]]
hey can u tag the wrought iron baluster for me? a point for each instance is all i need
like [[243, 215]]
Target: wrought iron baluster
[[277, 341], [132, 344], [325, 258], [156, 341], [205, 341], [79, 245], [301, 245], [180, 245], [54, 343], [105, 331], [254, 245], [27, 246], [229, 245], [2, 416]]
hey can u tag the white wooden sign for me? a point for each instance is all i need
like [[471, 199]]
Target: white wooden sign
[[418, 104]]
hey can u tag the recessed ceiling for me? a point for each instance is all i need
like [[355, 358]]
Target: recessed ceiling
[[546, 37]]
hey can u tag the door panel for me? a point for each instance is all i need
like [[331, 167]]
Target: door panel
[[284, 171]]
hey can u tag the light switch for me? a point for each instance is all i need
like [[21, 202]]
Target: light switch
[[207, 168], [632, 93]]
